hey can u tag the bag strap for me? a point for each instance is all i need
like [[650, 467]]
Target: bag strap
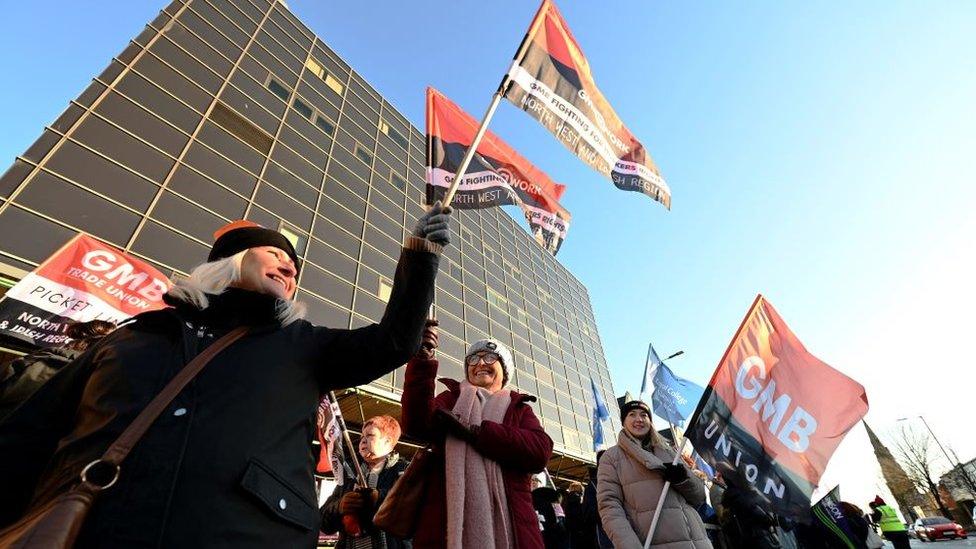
[[123, 445]]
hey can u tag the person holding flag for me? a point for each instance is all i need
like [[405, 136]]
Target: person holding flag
[[631, 478]]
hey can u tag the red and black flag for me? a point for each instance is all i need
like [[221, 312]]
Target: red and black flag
[[551, 81], [773, 414], [496, 176]]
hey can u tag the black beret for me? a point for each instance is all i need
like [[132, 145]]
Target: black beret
[[633, 405]]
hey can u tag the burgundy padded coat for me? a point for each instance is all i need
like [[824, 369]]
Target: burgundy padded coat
[[519, 445]]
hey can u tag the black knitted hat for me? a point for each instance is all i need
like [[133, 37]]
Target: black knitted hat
[[238, 236], [632, 405]]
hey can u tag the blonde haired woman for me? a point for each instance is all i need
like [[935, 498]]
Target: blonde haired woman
[[630, 479], [228, 464]]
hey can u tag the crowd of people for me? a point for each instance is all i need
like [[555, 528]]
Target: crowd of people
[[228, 462]]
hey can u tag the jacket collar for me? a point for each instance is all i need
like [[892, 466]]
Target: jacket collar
[[454, 386], [234, 307], [633, 449]]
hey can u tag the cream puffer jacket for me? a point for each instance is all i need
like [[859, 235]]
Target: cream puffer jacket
[[629, 484]]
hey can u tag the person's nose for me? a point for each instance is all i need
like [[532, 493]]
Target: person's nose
[[287, 268]]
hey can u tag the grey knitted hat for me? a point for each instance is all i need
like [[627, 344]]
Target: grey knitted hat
[[494, 346]]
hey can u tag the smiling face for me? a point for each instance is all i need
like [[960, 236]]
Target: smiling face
[[268, 270], [482, 374], [637, 423]]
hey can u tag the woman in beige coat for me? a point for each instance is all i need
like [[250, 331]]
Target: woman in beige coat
[[630, 479]]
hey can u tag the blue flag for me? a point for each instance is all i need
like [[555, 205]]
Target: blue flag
[[704, 467], [600, 414], [675, 398], [650, 366]]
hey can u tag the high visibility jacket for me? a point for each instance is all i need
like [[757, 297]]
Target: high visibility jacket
[[889, 519]]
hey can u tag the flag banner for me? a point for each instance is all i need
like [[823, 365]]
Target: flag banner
[[650, 366], [496, 176], [773, 413], [674, 398], [330, 455], [600, 414], [830, 516], [552, 82], [84, 280]]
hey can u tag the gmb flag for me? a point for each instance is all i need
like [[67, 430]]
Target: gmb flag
[[551, 81], [828, 514], [85, 280], [496, 176], [773, 413]]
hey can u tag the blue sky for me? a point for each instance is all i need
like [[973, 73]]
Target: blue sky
[[820, 153]]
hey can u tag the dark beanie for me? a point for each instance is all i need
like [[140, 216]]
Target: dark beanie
[[237, 236], [633, 405]]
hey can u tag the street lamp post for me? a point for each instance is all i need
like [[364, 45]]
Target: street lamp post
[[965, 473]]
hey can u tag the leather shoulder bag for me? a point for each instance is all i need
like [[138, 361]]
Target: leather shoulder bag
[[56, 524]]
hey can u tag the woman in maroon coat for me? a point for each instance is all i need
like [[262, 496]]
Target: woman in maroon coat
[[487, 443]]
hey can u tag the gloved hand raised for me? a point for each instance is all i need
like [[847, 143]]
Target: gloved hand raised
[[428, 342], [434, 225], [675, 472]]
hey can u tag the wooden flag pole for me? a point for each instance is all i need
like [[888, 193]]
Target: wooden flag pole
[[495, 100], [469, 154]]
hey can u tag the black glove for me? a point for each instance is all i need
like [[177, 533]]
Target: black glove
[[361, 502], [675, 473], [434, 225], [450, 424]]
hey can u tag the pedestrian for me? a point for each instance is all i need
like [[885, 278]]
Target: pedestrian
[[552, 518], [487, 443], [382, 467], [575, 522], [228, 463], [892, 528], [596, 537], [746, 522], [22, 376], [631, 478]]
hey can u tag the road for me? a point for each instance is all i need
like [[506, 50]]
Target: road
[[951, 544]]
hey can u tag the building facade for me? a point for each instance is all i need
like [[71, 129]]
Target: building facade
[[230, 109]]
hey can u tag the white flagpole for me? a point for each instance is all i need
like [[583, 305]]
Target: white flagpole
[[646, 363], [664, 494]]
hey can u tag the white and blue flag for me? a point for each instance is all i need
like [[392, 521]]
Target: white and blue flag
[[674, 398], [600, 414]]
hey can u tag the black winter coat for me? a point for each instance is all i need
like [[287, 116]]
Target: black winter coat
[[229, 464], [24, 375], [331, 519]]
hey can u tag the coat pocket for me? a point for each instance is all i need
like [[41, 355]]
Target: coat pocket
[[278, 496]]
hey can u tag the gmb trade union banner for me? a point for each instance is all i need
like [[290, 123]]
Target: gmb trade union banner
[[84, 280], [773, 414], [552, 82], [496, 176]]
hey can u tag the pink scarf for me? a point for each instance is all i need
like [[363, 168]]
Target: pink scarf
[[477, 510]]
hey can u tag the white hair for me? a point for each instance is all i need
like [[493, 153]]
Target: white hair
[[214, 277]]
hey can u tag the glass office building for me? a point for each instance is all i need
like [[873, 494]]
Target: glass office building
[[229, 109]]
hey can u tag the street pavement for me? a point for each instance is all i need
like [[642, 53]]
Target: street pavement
[[950, 544]]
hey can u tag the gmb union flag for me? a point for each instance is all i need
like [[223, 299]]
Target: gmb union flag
[[496, 176], [552, 82], [773, 414], [84, 280]]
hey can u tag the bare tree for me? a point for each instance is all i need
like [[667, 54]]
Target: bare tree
[[913, 449]]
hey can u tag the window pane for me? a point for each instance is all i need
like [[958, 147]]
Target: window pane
[[278, 89], [45, 237], [189, 218], [231, 147], [220, 169], [61, 200], [112, 142], [168, 247], [133, 118], [95, 172], [302, 108], [203, 191]]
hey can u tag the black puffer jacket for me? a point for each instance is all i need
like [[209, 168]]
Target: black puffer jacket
[[229, 464]]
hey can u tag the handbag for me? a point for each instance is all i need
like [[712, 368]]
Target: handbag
[[56, 524], [399, 513]]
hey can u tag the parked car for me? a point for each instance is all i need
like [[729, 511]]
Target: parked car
[[936, 528]]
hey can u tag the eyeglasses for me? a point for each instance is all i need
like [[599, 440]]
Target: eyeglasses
[[487, 358]]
